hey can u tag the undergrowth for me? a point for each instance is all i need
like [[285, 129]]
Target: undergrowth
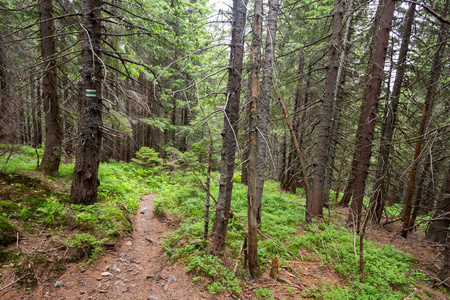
[[29, 203], [387, 272]]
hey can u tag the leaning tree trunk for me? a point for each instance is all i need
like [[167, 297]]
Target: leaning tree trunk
[[253, 159], [53, 128], [367, 118], [438, 230], [426, 117], [230, 126], [314, 207], [387, 131], [85, 175]]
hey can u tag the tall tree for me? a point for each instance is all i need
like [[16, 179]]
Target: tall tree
[[253, 145], [230, 125], [427, 112], [85, 175], [314, 206], [53, 128], [264, 103], [368, 109], [387, 131]]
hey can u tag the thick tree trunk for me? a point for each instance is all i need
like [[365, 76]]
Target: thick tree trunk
[[438, 230], [53, 127], [387, 131], [426, 117], [85, 176], [253, 159], [367, 118], [314, 206], [230, 126]]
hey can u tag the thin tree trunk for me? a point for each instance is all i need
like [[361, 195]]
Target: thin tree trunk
[[252, 194], [426, 117], [367, 118], [264, 103], [230, 127], [85, 176], [314, 206], [387, 132], [53, 128], [297, 148], [337, 103]]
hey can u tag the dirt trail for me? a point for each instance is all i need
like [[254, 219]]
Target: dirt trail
[[136, 269]]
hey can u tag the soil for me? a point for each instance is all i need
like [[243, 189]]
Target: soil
[[136, 268]]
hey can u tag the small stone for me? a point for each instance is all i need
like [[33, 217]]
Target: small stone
[[115, 269], [58, 284], [98, 278], [106, 274], [152, 298], [107, 268], [129, 243]]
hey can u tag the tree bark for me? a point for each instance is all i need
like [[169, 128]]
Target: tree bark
[[426, 117], [387, 131], [337, 104], [367, 118], [85, 176], [252, 179], [264, 104], [230, 126], [53, 128], [314, 206]]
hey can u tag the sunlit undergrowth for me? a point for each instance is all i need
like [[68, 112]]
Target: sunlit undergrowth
[[387, 273]]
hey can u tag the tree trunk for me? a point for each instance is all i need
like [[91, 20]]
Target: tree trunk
[[3, 95], [367, 118], [314, 206], [230, 126], [85, 176], [380, 189], [337, 104], [426, 116], [438, 230], [252, 180], [264, 103], [53, 128]]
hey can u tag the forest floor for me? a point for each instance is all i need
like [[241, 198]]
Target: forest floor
[[135, 266]]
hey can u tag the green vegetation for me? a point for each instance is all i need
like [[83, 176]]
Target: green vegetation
[[387, 272], [30, 205]]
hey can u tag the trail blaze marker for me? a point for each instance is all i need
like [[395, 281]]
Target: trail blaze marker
[[91, 93]]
